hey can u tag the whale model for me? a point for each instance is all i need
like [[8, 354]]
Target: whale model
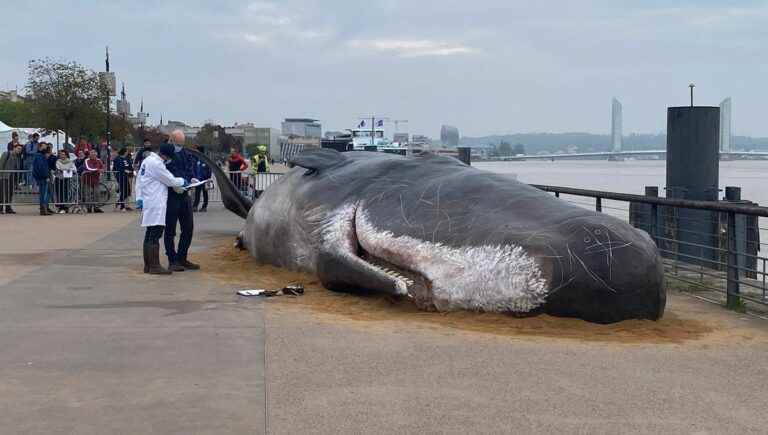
[[448, 236]]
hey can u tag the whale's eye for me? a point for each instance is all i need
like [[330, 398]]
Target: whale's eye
[[598, 232], [587, 240], [310, 172]]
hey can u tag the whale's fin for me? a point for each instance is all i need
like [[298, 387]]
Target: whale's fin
[[233, 200], [317, 159]]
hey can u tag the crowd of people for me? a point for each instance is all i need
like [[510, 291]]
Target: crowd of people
[[74, 175], [63, 178]]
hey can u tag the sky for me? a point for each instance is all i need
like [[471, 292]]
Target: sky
[[485, 66]]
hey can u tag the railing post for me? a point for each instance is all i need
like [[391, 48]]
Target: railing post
[[557, 194], [733, 300], [598, 204], [653, 222]]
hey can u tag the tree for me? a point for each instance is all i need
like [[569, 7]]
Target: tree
[[505, 149], [17, 114], [519, 149], [64, 94], [216, 137]]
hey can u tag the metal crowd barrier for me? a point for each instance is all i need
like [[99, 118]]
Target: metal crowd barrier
[[76, 193], [81, 192], [250, 184]]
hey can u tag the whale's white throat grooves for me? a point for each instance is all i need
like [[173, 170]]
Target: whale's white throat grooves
[[502, 278]]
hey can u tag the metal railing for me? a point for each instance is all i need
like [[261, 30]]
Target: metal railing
[[83, 192], [710, 248], [68, 192]]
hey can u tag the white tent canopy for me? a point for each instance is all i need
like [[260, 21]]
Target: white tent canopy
[[55, 137]]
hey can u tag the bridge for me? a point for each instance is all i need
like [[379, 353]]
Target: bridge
[[620, 155]]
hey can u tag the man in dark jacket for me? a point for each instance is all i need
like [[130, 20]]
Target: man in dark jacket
[[202, 172], [10, 164], [179, 208], [42, 174], [122, 167]]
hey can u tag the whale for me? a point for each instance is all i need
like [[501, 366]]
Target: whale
[[447, 236]]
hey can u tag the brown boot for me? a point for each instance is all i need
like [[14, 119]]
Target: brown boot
[[154, 261]]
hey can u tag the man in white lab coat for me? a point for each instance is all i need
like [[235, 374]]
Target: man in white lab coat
[[152, 183]]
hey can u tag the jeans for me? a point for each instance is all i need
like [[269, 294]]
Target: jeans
[[45, 195], [179, 210], [201, 190]]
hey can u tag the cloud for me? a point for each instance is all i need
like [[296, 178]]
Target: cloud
[[261, 6], [254, 39], [412, 47]]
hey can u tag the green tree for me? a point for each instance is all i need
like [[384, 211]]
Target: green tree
[[64, 94], [17, 114]]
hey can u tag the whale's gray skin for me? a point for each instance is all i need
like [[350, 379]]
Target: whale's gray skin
[[450, 237]]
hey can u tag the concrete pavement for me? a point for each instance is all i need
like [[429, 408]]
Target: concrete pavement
[[91, 345]]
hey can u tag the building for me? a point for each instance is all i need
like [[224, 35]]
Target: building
[[726, 134], [12, 96], [124, 110], [290, 146], [617, 126], [449, 136], [302, 127], [188, 131], [334, 134], [400, 138], [249, 134]]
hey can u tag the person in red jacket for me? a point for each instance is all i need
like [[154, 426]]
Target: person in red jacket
[[83, 146], [92, 169], [237, 165]]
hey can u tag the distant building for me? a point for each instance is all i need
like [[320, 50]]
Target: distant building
[[302, 127], [334, 134], [250, 134], [400, 138], [188, 131], [726, 135], [449, 136], [616, 126], [12, 96]]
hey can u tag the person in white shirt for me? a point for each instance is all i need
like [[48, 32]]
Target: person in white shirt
[[152, 183]]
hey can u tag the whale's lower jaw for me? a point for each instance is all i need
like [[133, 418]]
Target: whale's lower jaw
[[501, 278]]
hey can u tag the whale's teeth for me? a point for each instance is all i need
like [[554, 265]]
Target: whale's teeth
[[409, 281]]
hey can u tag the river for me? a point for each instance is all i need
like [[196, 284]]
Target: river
[[630, 176]]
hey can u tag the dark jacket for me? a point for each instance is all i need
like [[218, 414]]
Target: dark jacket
[[40, 169], [121, 166], [181, 165], [202, 171], [80, 166], [9, 162]]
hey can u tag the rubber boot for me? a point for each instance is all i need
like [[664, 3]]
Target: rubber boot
[[154, 261], [147, 256]]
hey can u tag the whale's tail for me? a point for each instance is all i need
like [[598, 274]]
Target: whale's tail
[[233, 200]]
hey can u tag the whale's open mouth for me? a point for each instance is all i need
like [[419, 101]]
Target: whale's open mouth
[[499, 278]]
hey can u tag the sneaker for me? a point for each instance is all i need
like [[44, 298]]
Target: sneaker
[[98, 210]]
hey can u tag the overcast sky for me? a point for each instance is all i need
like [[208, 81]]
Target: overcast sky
[[485, 66]]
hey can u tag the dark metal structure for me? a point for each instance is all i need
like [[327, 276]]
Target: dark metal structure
[[693, 161]]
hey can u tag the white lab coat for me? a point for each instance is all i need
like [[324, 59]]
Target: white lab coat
[[152, 185]]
